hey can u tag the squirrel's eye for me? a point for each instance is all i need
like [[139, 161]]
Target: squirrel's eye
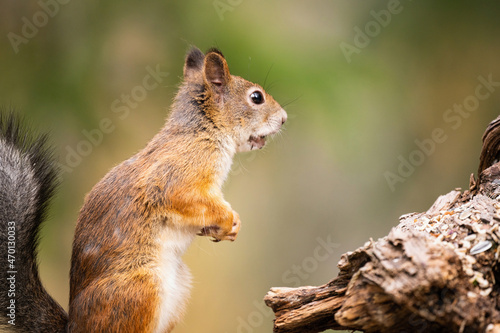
[[257, 97]]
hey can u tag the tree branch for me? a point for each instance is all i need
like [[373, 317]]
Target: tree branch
[[435, 272]]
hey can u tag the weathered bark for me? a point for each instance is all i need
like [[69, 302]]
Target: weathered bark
[[435, 272]]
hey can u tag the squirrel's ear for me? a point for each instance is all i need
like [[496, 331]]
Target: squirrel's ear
[[193, 63], [216, 71]]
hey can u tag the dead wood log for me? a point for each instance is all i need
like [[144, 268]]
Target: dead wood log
[[435, 272]]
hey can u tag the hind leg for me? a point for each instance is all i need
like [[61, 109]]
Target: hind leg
[[127, 303]]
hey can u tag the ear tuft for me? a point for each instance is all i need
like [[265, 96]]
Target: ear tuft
[[215, 50], [193, 63], [216, 71]]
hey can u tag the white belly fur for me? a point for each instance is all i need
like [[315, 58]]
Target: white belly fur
[[174, 276]]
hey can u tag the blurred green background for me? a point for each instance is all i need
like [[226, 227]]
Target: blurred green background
[[365, 85]]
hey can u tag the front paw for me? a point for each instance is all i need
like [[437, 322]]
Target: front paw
[[234, 229], [227, 231]]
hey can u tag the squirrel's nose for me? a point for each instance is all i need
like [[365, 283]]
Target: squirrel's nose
[[284, 117]]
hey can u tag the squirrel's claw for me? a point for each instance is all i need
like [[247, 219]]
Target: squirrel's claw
[[218, 234]]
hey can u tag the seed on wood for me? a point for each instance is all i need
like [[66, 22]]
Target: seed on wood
[[481, 247], [465, 214]]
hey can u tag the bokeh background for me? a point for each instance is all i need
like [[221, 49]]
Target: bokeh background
[[361, 81]]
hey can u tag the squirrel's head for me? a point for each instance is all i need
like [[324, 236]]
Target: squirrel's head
[[240, 108]]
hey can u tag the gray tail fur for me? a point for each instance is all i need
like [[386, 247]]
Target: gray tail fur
[[27, 182]]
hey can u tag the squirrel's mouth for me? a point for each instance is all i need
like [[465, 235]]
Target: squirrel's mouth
[[257, 142]]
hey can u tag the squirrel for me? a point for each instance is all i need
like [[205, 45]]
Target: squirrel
[[126, 273]]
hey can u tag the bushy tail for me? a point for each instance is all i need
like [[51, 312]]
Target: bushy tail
[[27, 182]]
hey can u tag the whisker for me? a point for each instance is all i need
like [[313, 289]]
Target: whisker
[[248, 69], [271, 85], [267, 75], [292, 101]]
